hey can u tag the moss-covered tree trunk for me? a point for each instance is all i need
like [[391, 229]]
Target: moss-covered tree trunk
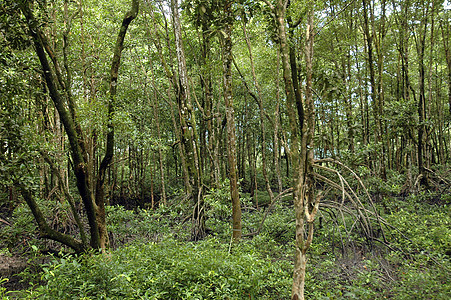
[[230, 116]]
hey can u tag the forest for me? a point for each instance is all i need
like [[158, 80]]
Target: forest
[[225, 149]]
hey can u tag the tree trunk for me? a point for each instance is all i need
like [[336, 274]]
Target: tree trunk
[[375, 99], [230, 116], [301, 153], [446, 32], [100, 189], [189, 135], [420, 40], [262, 117], [173, 84], [277, 150]]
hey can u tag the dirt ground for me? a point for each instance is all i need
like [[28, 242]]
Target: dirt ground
[[10, 267]]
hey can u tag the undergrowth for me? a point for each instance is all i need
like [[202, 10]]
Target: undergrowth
[[151, 257]]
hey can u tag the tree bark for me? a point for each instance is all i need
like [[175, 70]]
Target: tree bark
[[173, 84], [100, 188], [420, 41], [189, 135], [262, 118], [230, 116], [446, 31]]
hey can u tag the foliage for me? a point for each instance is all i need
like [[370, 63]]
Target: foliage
[[280, 226], [18, 140], [166, 270], [22, 231], [367, 115], [218, 203], [154, 261], [3, 293], [142, 225], [218, 206], [426, 231]]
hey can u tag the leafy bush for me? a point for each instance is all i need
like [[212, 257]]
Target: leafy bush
[[126, 226], [423, 230], [261, 267], [217, 202], [423, 283], [23, 229], [167, 270], [425, 241], [281, 226]]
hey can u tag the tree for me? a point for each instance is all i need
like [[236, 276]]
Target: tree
[[188, 125], [230, 117], [301, 132], [92, 196]]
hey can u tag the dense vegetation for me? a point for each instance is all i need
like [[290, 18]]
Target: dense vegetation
[[155, 149]]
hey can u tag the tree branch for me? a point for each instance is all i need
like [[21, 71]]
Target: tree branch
[[45, 230]]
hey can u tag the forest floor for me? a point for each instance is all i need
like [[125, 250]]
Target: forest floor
[[10, 267], [414, 265]]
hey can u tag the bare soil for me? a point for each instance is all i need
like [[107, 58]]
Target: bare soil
[[10, 267]]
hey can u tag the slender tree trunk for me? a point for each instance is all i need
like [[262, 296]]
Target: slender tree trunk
[[173, 84], [369, 39], [189, 135], [294, 70], [420, 40], [252, 166], [230, 116], [262, 117], [208, 101], [100, 190], [307, 207], [379, 45], [363, 102], [446, 32], [301, 153], [276, 128], [155, 110]]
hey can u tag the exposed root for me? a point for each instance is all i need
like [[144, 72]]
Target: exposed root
[[364, 217]]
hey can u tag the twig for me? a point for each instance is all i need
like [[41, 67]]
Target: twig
[[5, 222]]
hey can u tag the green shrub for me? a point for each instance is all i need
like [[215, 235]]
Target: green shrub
[[418, 281], [127, 226], [423, 233], [281, 225], [423, 230], [3, 293], [167, 270], [23, 229]]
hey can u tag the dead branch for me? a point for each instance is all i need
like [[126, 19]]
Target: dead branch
[[355, 200]]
